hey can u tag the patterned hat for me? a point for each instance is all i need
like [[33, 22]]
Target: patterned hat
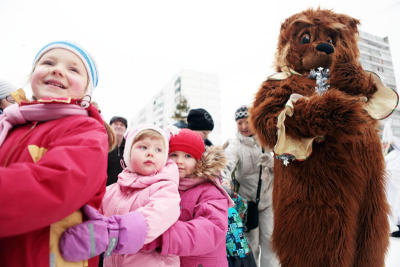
[[81, 53], [241, 113]]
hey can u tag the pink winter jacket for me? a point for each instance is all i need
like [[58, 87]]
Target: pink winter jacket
[[157, 198], [199, 236]]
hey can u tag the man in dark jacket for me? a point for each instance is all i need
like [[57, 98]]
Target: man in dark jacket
[[119, 125], [200, 120]]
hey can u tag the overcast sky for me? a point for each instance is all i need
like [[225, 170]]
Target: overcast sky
[[140, 45]]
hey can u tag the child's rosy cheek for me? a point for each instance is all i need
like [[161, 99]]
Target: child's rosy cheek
[[77, 88]]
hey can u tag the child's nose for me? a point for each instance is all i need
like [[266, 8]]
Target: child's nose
[[57, 71]]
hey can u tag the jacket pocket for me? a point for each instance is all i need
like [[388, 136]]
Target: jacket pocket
[[56, 230]]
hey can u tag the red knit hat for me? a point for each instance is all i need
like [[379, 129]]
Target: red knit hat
[[187, 141]]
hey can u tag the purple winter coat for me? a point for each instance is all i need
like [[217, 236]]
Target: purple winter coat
[[198, 237]]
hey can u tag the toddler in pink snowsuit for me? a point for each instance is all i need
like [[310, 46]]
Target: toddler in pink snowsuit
[[146, 192]]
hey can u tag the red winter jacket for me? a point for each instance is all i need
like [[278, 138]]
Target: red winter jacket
[[48, 171]]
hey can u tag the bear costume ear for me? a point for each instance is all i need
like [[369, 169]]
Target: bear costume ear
[[383, 101], [349, 22]]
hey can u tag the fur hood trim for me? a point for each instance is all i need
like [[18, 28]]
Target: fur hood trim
[[211, 163]]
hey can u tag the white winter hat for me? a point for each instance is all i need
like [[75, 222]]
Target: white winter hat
[[6, 88], [131, 135]]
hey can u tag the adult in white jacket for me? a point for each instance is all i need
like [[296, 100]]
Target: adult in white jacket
[[244, 156], [393, 184]]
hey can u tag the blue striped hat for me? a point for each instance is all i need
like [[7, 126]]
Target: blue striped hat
[[81, 53]]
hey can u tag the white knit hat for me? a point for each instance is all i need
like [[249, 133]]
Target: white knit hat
[[6, 88], [81, 53], [131, 135]]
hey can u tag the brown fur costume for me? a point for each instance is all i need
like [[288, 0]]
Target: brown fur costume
[[329, 208]]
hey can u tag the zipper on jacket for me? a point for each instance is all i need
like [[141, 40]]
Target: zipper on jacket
[[18, 143], [117, 259]]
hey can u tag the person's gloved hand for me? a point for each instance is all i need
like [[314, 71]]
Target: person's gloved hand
[[121, 234]]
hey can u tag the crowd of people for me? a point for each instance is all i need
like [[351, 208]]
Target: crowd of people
[[172, 197]]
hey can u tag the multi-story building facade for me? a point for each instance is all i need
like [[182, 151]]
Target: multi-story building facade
[[201, 91], [375, 56]]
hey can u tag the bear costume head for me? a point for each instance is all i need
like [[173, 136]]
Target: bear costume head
[[313, 38], [322, 38]]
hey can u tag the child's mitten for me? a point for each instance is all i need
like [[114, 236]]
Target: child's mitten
[[121, 234]]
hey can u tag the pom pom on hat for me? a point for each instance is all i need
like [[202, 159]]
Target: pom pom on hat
[[81, 53], [6, 88], [241, 113], [199, 119], [187, 141]]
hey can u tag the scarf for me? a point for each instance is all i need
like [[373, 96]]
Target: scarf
[[187, 183], [132, 180], [20, 114], [128, 180]]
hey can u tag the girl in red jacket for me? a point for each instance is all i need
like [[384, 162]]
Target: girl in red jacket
[[53, 157], [198, 237]]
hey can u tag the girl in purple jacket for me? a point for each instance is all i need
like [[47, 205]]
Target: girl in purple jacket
[[198, 237]]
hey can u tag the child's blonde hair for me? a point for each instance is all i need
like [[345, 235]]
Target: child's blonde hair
[[148, 133]]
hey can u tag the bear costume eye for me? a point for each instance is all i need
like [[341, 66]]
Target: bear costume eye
[[305, 38]]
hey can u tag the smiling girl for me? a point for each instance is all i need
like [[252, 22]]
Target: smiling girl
[[53, 157]]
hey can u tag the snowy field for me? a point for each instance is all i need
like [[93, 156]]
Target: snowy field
[[393, 255]]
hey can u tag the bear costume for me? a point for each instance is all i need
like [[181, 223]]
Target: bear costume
[[319, 114]]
